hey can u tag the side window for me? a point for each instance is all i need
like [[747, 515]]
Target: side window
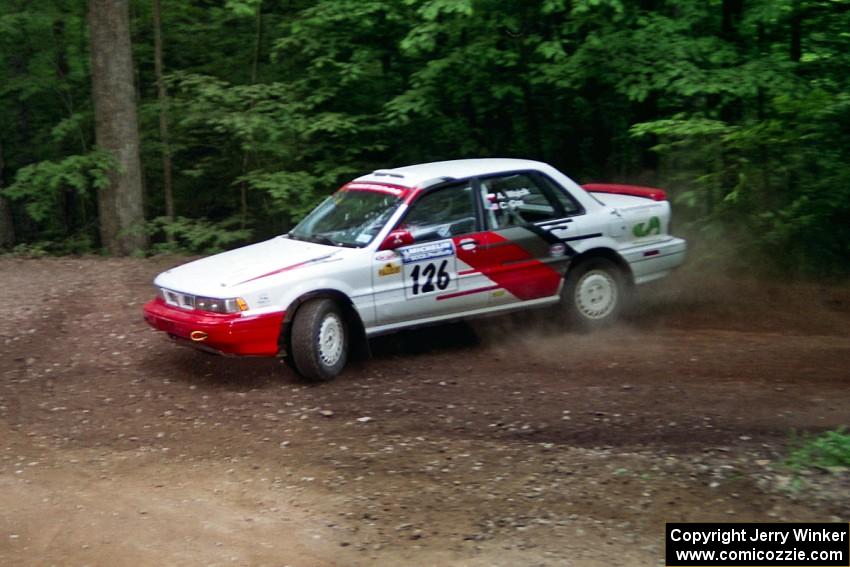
[[571, 206], [442, 214], [515, 200]]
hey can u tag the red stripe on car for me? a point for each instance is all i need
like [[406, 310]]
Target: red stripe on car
[[510, 266], [412, 195], [287, 268], [467, 292], [390, 189], [633, 190]]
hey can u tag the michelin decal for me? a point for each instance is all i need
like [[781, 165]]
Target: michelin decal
[[427, 251]]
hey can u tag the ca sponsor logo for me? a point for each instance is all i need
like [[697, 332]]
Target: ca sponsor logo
[[652, 226]]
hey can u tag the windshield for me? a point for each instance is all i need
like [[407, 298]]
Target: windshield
[[347, 218]]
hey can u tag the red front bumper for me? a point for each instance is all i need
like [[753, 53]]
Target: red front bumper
[[226, 333]]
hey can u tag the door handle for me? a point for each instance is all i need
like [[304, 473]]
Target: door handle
[[468, 244]]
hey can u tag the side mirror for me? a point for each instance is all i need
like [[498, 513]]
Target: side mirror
[[396, 239]]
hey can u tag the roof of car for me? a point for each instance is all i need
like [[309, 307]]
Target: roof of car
[[421, 174]]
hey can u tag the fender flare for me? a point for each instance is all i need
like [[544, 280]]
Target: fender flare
[[608, 254], [358, 343]]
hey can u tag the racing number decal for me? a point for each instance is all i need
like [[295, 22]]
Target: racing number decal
[[430, 283], [429, 268]]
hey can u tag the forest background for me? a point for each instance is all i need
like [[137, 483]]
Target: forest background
[[251, 111]]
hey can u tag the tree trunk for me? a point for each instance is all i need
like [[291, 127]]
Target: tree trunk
[[795, 48], [116, 126], [258, 35], [732, 10], [732, 111], [7, 229], [162, 95]]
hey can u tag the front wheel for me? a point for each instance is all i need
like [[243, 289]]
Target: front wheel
[[595, 293], [319, 340]]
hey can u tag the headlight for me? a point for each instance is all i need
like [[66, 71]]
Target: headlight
[[215, 305], [211, 304]]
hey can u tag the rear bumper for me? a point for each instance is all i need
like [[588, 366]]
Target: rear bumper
[[654, 261], [230, 334]]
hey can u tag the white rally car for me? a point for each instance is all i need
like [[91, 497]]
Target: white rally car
[[417, 245]]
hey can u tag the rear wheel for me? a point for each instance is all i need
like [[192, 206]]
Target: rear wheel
[[319, 340], [595, 293]]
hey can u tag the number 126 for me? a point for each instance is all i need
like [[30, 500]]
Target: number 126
[[428, 274]]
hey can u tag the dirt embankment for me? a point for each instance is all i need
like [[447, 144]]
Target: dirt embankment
[[508, 442]]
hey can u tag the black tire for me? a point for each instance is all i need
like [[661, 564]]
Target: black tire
[[596, 292], [316, 357]]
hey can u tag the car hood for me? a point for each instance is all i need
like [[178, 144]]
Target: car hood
[[215, 276]]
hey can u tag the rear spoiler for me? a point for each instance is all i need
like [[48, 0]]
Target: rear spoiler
[[634, 190]]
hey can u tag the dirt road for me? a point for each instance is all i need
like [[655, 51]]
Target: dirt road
[[509, 442]]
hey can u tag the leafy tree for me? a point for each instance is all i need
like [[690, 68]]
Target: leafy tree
[[740, 109], [44, 108]]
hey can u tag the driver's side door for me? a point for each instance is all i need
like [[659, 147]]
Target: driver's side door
[[427, 279]]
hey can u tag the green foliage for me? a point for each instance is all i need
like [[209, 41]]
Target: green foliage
[[744, 116], [242, 8], [60, 199], [293, 194], [31, 250], [827, 450], [41, 186], [75, 244], [197, 236]]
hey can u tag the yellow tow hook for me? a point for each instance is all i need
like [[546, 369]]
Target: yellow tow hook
[[198, 336]]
